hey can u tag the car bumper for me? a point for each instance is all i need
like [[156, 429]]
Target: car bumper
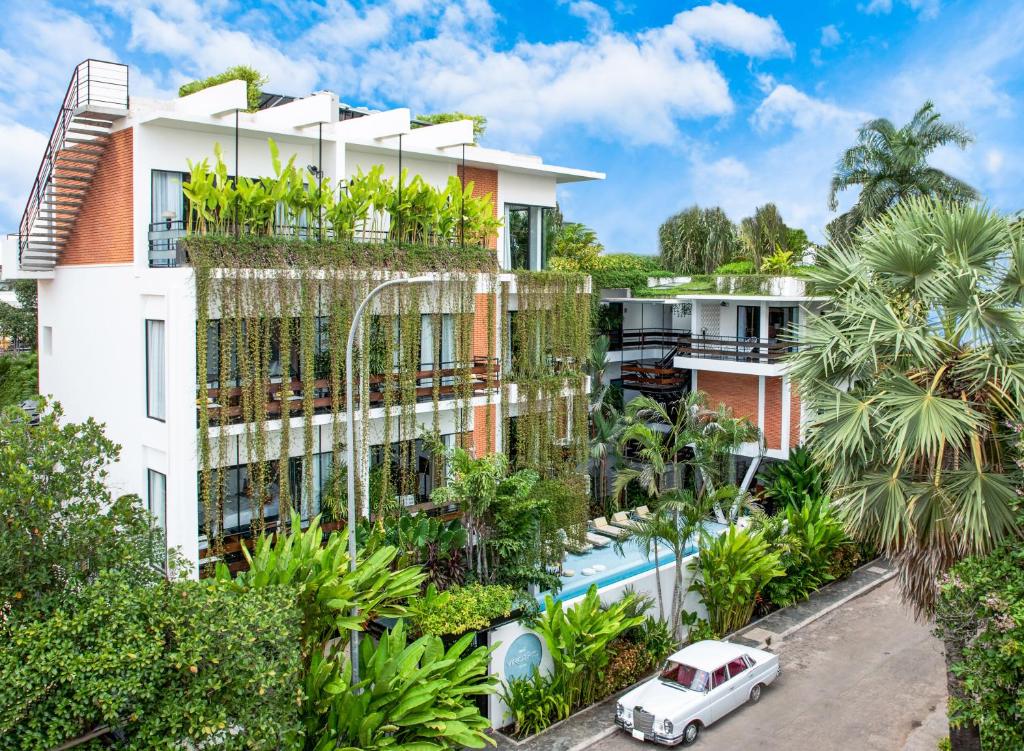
[[664, 740]]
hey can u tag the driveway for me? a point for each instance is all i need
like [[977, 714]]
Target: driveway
[[866, 677]]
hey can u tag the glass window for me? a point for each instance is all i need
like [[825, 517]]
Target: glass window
[[719, 677], [736, 667], [156, 371], [519, 236], [168, 204], [686, 676], [156, 500]]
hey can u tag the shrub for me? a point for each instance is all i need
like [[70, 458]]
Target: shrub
[[792, 482], [461, 609], [19, 378], [732, 569], [737, 267], [629, 662], [534, 703], [254, 81]]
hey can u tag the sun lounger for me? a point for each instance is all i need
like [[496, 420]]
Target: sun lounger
[[598, 541], [574, 547], [642, 512], [601, 526], [622, 520]]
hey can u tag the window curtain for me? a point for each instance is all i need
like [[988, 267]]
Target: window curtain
[[158, 508], [156, 370], [168, 197]]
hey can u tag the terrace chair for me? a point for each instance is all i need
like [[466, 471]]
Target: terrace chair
[[598, 541], [574, 547], [601, 526], [642, 513], [622, 520]]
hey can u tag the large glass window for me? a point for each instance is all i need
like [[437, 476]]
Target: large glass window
[[168, 206], [519, 236], [156, 500], [529, 233], [156, 371]]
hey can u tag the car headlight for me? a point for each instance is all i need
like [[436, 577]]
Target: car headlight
[[667, 727], [619, 710]]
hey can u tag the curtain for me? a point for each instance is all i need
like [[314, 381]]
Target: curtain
[[168, 198], [158, 508], [156, 370]]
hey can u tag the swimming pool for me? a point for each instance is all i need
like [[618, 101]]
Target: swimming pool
[[617, 566]]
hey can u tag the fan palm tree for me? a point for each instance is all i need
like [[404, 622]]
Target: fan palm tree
[[912, 376], [890, 165]]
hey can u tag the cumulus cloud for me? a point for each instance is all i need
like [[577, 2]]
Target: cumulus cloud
[[830, 36], [787, 105], [924, 8], [22, 149]]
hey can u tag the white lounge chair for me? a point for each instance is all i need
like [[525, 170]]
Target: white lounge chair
[[601, 526], [574, 547], [598, 541], [622, 520], [642, 512]]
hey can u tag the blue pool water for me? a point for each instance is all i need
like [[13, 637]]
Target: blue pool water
[[617, 566]]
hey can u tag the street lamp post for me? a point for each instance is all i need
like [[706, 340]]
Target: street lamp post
[[350, 453]]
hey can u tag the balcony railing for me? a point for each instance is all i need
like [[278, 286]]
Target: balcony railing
[[687, 344], [654, 378], [289, 398]]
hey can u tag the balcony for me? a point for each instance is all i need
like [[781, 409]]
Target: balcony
[[685, 344], [654, 377], [289, 399]]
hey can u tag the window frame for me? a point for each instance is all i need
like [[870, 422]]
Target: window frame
[[149, 368], [157, 521]]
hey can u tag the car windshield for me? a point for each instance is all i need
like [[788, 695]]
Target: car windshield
[[684, 675]]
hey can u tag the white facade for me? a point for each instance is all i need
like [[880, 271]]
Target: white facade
[[92, 316]]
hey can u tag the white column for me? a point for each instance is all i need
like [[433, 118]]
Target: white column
[[786, 411]]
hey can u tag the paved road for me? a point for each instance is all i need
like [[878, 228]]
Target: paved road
[[864, 677]]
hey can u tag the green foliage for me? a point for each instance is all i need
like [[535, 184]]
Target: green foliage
[[764, 234], [577, 640], [460, 609], [410, 697], [435, 545], [479, 121], [911, 376], [697, 240], [254, 81], [737, 267], [20, 322], [778, 263], [890, 165], [793, 482], [656, 639], [980, 615], [700, 630], [181, 663], [731, 569], [326, 591], [534, 703], [575, 248], [19, 378], [59, 524]]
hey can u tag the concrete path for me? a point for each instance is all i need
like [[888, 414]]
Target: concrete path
[[865, 676]]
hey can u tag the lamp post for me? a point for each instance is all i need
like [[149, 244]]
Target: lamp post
[[350, 453]]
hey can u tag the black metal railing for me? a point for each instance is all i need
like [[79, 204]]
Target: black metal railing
[[688, 344], [94, 83]]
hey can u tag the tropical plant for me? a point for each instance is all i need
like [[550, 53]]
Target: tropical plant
[[575, 248], [19, 378], [890, 165], [534, 703], [437, 546], [577, 640], [326, 591], [980, 615], [410, 696], [20, 322], [778, 263], [605, 426], [737, 267], [792, 482], [696, 241], [460, 609], [436, 118], [731, 569], [763, 235], [914, 376]]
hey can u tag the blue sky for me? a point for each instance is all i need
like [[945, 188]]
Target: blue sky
[[680, 103]]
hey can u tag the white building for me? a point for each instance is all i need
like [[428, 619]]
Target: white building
[[117, 301]]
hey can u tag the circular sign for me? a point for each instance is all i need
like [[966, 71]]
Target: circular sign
[[523, 655]]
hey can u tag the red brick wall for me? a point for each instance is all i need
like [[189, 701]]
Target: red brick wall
[[736, 391], [484, 181], [484, 430], [772, 427], [481, 322], [102, 233]]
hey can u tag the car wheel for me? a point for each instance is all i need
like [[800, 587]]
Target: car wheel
[[690, 733], [755, 693]]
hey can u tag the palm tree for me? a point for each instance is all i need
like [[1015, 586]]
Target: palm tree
[[890, 165], [763, 233], [912, 376], [605, 426]]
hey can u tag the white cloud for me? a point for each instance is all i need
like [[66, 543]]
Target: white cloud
[[994, 160], [830, 36], [23, 148], [731, 27], [878, 6], [787, 105], [597, 18], [925, 8]]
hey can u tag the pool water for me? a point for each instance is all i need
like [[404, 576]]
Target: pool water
[[617, 566]]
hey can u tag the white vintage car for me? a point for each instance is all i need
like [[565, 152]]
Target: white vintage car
[[697, 686]]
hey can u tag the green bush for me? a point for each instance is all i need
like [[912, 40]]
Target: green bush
[[793, 482], [732, 569], [461, 609], [172, 664], [254, 81], [534, 704], [19, 378], [737, 267]]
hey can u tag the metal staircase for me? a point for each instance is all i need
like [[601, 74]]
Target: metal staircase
[[96, 97]]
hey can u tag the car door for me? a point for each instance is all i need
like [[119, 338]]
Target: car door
[[740, 677], [718, 697]]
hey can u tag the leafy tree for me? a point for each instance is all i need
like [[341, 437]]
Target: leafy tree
[[479, 121], [575, 248], [912, 376], [763, 233], [890, 165], [20, 322], [254, 81], [981, 613], [59, 524], [19, 378], [697, 241], [179, 663]]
